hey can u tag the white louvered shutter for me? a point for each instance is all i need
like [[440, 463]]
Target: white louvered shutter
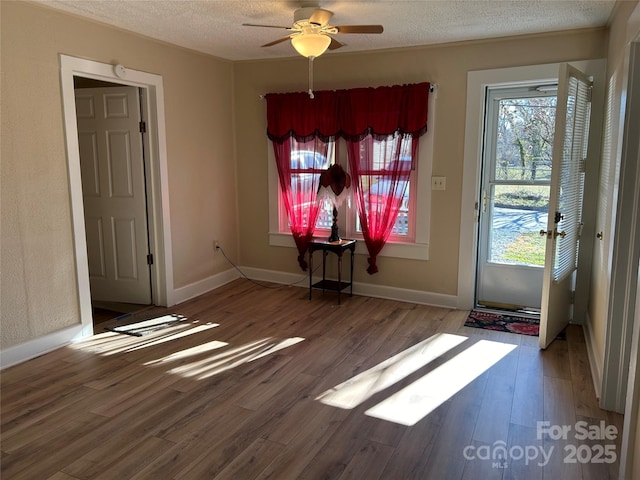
[[571, 186]]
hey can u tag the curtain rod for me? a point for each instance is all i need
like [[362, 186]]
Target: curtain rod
[[432, 89]]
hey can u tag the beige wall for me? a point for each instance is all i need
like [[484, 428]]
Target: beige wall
[[39, 293], [445, 65]]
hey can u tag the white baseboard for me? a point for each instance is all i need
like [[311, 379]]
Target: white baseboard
[[182, 294], [40, 345], [596, 367], [364, 289], [405, 295]]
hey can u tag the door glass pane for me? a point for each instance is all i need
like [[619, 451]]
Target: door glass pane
[[524, 140], [518, 213]]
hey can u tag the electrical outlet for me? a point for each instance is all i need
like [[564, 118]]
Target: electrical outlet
[[438, 183]]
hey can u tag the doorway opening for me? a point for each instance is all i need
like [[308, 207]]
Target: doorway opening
[[111, 130], [517, 152], [151, 103]]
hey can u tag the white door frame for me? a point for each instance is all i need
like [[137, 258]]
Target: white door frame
[[509, 284], [158, 194], [477, 83]]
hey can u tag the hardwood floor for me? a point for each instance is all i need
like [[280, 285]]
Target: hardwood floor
[[232, 393]]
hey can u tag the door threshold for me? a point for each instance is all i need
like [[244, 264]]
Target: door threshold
[[504, 307]]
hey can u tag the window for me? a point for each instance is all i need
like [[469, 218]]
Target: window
[[385, 166], [410, 235], [386, 179], [306, 166]]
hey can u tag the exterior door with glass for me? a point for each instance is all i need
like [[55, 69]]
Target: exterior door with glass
[[517, 157]]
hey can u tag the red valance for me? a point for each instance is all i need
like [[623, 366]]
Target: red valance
[[299, 116], [352, 114]]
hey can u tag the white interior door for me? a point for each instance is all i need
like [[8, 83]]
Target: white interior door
[[565, 201], [113, 188], [516, 175]]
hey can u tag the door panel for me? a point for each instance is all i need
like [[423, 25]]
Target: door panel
[[564, 224], [95, 247], [113, 185]]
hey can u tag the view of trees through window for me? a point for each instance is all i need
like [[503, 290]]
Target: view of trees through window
[[524, 143], [525, 139]]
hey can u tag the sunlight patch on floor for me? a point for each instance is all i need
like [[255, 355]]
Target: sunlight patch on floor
[[150, 324], [175, 336], [358, 389], [213, 365], [416, 401], [110, 343], [189, 352]]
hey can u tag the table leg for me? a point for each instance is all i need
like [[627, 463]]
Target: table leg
[[339, 275], [310, 272], [324, 264], [351, 276]]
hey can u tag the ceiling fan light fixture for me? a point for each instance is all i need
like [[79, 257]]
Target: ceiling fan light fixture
[[311, 44]]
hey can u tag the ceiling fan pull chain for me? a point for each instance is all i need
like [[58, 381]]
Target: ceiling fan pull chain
[[311, 77]]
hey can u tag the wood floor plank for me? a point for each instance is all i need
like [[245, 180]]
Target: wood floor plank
[[527, 408], [446, 459], [204, 440], [586, 403], [555, 360], [495, 410], [369, 462], [128, 464], [520, 464], [411, 456], [51, 453], [294, 458], [251, 461], [559, 411], [242, 399]]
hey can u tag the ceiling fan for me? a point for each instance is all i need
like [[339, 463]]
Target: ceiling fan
[[311, 32]]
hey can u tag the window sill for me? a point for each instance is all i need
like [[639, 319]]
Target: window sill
[[411, 251]]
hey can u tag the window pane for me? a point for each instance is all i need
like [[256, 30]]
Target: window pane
[[307, 162], [525, 138], [376, 194], [325, 218], [518, 214]]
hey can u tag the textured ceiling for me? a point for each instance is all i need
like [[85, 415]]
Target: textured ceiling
[[215, 26]]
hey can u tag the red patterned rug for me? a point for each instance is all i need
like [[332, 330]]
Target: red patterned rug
[[503, 322]]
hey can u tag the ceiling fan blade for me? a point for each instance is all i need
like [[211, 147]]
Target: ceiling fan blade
[[359, 28], [320, 17], [275, 42], [335, 44], [268, 26]]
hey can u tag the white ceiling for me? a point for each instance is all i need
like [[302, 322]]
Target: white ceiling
[[215, 26]]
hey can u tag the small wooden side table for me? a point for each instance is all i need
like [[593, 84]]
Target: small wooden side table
[[338, 248]]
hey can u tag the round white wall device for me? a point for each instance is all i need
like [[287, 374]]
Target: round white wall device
[[120, 71]]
